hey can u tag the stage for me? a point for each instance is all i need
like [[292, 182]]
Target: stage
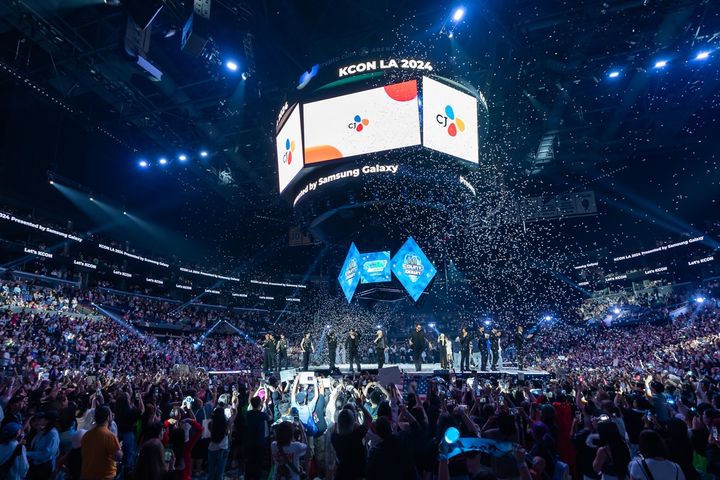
[[428, 370]]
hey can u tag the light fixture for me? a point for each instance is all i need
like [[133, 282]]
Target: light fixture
[[163, 161], [704, 55], [245, 75], [614, 74], [452, 435], [92, 199], [143, 163], [661, 64], [182, 157], [547, 318], [52, 183], [458, 14], [204, 154], [450, 35], [231, 65], [616, 311], [431, 325], [699, 299]]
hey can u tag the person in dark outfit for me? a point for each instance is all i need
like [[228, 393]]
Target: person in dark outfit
[[495, 335], [306, 347], [282, 347], [464, 350], [390, 459], [347, 440], [332, 348], [520, 338], [256, 433], [483, 338], [352, 346], [418, 342], [380, 346], [269, 350]]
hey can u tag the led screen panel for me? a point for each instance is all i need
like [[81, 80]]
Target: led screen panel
[[413, 269], [375, 267], [349, 277], [450, 121], [289, 148], [359, 123]]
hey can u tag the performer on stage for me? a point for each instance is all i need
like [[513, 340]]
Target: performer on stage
[[269, 350], [495, 335], [483, 338], [464, 350], [282, 348], [306, 347], [520, 338], [380, 346], [418, 342], [332, 344], [445, 348], [352, 346]]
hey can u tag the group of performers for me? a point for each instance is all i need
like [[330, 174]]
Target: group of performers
[[488, 345], [487, 341]]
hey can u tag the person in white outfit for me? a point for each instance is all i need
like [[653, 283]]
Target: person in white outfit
[[652, 464]]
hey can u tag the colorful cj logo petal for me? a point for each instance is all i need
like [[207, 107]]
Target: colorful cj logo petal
[[289, 149], [449, 120], [358, 123]]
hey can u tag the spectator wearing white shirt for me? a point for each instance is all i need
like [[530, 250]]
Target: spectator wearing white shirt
[[653, 463]]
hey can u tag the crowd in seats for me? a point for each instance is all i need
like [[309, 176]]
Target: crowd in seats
[[141, 309]]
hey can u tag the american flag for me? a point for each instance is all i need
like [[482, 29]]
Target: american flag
[[423, 386]]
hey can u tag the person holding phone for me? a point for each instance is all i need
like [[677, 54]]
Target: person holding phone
[[286, 452], [219, 446], [255, 438], [128, 411]]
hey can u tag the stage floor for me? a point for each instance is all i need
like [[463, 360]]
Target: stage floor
[[431, 368]]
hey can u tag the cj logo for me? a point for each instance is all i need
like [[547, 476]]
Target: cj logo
[[289, 149], [450, 121], [358, 123]]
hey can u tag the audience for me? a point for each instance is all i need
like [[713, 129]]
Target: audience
[[89, 397]]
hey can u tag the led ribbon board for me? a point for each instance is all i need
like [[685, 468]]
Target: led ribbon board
[[375, 267], [349, 277]]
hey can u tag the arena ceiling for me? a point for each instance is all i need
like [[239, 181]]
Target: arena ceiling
[[645, 141]]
